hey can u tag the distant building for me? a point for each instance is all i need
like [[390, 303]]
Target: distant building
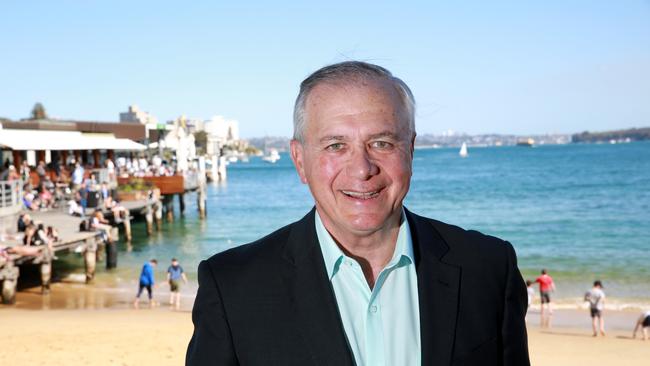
[[221, 132], [134, 115]]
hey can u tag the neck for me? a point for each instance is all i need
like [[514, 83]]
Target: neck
[[372, 250]]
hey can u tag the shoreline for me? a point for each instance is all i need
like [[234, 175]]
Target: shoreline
[[72, 294]]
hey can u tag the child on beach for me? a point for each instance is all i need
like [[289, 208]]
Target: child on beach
[[146, 282], [644, 323], [596, 299], [175, 274], [531, 292]]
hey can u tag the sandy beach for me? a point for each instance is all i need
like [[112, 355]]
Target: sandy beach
[[159, 336]]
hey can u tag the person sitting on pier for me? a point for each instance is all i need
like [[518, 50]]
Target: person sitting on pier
[[35, 236], [46, 197], [30, 201], [23, 221], [53, 234], [98, 222]]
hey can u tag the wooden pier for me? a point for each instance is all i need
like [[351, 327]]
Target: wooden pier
[[87, 243]]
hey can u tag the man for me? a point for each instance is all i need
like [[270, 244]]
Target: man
[[175, 274], [546, 286], [360, 279]]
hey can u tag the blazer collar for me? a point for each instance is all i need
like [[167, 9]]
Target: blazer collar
[[438, 291], [311, 296]]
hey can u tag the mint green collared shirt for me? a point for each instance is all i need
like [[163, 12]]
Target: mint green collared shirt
[[382, 325]]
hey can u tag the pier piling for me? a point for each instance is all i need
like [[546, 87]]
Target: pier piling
[[9, 275], [46, 276], [159, 215], [181, 203], [111, 255], [149, 219], [127, 228], [90, 258]]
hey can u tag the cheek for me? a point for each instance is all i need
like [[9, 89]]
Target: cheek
[[328, 168]]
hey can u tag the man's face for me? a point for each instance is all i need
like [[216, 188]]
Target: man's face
[[356, 156]]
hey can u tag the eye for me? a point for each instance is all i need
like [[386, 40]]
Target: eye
[[383, 145], [335, 147]]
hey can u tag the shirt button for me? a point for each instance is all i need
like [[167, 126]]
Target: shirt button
[[373, 309]]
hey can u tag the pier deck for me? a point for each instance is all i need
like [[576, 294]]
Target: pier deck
[[70, 238]]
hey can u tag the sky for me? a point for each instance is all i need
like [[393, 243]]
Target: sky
[[518, 67]]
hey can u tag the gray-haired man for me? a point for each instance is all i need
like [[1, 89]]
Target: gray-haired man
[[360, 279]]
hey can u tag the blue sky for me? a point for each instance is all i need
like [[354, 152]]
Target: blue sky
[[479, 67]]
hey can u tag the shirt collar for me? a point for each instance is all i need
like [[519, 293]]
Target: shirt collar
[[333, 255]]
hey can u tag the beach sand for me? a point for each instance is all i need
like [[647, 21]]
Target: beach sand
[[159, 337]]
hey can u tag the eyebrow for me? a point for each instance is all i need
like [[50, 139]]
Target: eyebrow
[[388, 134], [382, 134], [332, 138]]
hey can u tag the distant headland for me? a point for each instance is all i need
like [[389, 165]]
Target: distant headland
[[630, 134]]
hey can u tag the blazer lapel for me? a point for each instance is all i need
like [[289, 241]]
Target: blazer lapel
[[438, 291], [312, 297]]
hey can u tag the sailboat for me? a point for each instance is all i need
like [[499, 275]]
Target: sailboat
[[463, 151], [272, 157]]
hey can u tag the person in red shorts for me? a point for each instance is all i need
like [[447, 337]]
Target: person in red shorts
[[546, 286]]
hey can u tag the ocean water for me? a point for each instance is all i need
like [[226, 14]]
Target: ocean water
[[581, 211]]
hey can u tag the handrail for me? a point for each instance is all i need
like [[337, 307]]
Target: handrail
[[10, 193]]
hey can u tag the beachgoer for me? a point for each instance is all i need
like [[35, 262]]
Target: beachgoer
[[98, 222], [360, 279], [546, 286], [175, 274], [531, 292], [596, 299], [23, 221], [77, 175], [147, 282], [642, 322]]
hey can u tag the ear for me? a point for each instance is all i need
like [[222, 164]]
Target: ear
[[413, 144], [297, 155]]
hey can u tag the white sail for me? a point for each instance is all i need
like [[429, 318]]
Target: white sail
[[463, 151]]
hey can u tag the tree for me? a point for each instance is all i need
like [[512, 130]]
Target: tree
[[38, 112], [201, 141]]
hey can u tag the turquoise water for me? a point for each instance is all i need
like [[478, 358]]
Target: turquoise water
[[581, 211]]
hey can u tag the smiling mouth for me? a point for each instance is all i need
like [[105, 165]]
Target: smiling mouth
[[362, 195]]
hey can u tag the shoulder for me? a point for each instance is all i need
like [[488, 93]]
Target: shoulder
[[254, 257], [470, 244]]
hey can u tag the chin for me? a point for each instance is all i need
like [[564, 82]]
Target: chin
[[367, 222]]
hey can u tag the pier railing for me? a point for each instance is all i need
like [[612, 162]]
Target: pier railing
[[10, 197]]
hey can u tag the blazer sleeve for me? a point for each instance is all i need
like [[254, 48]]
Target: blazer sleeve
[[515, 338], [211, 343]]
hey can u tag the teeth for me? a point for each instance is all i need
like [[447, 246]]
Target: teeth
[[361, 195]]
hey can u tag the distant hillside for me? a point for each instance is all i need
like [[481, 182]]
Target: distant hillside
[[633, 134]]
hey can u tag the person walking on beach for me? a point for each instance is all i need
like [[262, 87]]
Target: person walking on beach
[[175, 274], [644, 323], [360, 279], [546, 286], [147, 281], [596, 299]]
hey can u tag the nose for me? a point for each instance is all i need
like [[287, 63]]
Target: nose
[[360, 165]]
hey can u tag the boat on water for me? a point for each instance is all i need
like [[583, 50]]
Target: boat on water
[[463, 151], [529, 142], [272, 157]]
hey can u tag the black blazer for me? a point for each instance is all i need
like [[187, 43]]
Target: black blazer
[[270, 302]]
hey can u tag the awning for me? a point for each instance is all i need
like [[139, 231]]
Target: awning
[[64, 140]]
